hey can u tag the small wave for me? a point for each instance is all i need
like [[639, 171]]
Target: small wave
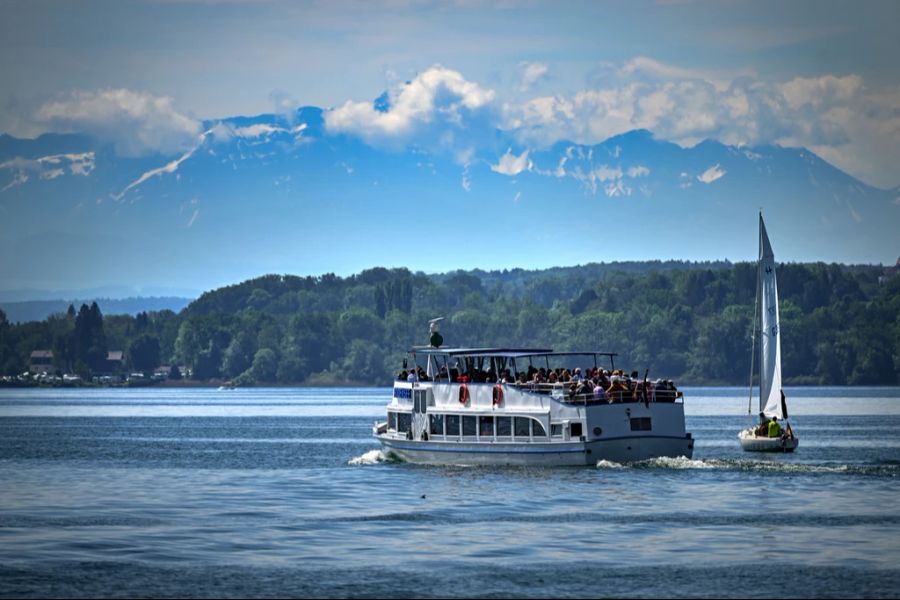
[[609, 464], [665, 462], [681, 462], [372, 457], [761, 466]]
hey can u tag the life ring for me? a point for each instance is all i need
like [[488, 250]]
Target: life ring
[[498, 395], [463, 394]]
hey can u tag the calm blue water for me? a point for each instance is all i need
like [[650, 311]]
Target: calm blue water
[[281, 492]]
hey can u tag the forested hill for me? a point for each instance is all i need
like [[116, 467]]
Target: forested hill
[[687, 321]]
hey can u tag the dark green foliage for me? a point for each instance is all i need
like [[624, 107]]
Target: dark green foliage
[[89, 339], [689, 321], [174, 373], [143, 353]]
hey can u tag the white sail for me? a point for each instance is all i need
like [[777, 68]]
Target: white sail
[[770, 334]]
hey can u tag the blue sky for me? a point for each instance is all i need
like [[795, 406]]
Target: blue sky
[[144, 76]]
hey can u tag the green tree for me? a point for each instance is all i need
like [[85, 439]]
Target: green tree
[[238, 356], [143, 353], [265, 365]]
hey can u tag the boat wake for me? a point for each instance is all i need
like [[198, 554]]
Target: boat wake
[[749, 465], [372, 457]]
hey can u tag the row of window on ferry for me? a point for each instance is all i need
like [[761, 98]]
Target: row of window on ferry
[[471, 425]]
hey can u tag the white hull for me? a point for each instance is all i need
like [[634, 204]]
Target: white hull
[[538, 454], [750, 442]]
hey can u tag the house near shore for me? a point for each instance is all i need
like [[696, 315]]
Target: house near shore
[[115, 362], [41, 361]]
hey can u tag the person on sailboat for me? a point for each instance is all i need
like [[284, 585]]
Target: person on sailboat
[[774, 428], [763, 428]]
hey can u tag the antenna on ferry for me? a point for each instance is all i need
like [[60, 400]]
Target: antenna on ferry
[[434, 327]]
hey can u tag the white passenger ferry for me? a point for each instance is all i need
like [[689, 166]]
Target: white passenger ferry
[[478, 406]]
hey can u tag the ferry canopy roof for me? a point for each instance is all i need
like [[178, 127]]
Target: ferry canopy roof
[[502, 352]]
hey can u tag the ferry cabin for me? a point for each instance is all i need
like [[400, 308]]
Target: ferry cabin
[[454, 411]]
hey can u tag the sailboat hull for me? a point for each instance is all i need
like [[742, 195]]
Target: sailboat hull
[[750, 442]]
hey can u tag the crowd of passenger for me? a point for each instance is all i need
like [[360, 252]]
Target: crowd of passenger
[[596, 384]]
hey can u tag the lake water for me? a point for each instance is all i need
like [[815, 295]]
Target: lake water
[[282, 492]]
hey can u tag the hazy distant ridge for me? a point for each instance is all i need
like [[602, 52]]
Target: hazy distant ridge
[[38, 310]]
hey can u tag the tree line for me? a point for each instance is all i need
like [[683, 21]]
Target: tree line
[[687, 321]]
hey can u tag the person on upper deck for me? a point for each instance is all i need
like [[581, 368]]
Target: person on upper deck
[[600, 392], [617, 389]]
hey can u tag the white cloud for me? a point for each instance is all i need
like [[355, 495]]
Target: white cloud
[[531, 73], [510, 164], [136, 123], [827, 90], [711, 174], [436, 96], [258, 130], [838, 117]]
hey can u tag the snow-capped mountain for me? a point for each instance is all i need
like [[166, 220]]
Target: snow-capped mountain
[[279, 193]]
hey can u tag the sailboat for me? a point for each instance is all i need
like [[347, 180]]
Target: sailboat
[[772, 404]]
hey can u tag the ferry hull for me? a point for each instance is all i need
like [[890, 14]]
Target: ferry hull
[[537, 454], [752, 443]]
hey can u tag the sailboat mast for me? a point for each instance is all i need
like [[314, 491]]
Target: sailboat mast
[[753, 331]]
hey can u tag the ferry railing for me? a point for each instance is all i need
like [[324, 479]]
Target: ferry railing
[[563, 392]]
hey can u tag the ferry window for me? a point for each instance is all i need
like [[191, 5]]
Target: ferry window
[[556, 429], [392, 421], [486, 426], [420, 397], [522, 427], [504, 426], [452, 424], [469, 425], [404, 422], [539, 430], [575, 430], [437, 424], [640, 424]]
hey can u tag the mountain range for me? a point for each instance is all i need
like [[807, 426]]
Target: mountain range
[[281, 193]]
